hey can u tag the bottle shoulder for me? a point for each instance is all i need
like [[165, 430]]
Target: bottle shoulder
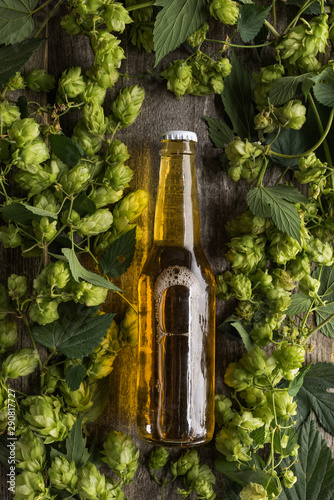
[[162, 257]]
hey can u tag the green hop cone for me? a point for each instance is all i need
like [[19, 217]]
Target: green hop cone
[[186, 461], [71, 83], [198, 36], [63, 474], [105, 353], [23, 131], [292, 115], [200, 479], [16, 83], [225, 11], [116, 17], [17, 286], [79, 400], [76, 178], [44, 229], [96, 223], [58, 274], [179, 77], [141, 35], [32, 153], [302, 44], [261, 333], [30, 452], [283, 247], [246, 252], [113, 491], [290, 358], [309, 286], [93, 93], [158, 458], [93, 118], [121, 455], [254, 491], [8, 115], [46, 200], [247, 223], [319, 252], [8, 334], [223, 410], [223, 290], [71, 23], [239, 151], [20, 363], [311, 169], [31, 486], [288, 479], [298, 267], [103, 196], [44, 311], [128, 209], [228, 443], [88, 294], [118, 176], [237, 376], [284, 405], [241, 287], [128, 330], [127, 105], [91, 483], [42, 177], [89, 141], [44, 416], [39, 80]]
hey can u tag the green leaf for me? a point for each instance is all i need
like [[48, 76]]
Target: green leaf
[[251, 20], [244, 335], [324, 87], [259, 435], [100, 390], [66, 149], [118, 257], [74, 375], [315, 469], [76, 445], [281, 431], [300, 303], [297, 382], [314, 395], [230, 331], [16, 22], [219, 132], [237, 99], [285, 88], [244, 474], [24, 213], [326, 292], [272, 202], [78, 271], [77, 331], [12, 59], [175, 22]]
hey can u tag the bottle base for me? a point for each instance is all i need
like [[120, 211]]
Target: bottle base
[[168, 443]]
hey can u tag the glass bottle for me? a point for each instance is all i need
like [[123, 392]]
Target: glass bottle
[[177, 310]]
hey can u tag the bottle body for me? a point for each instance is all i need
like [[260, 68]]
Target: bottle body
[[176, 317]]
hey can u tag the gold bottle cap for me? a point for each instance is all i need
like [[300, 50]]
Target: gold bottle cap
[[179, 135]]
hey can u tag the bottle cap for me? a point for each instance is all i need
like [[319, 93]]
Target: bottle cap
[[179, 135]]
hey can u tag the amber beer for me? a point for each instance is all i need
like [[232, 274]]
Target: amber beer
[[177, 310]]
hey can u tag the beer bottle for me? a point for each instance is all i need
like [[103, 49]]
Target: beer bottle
[[176, 310]]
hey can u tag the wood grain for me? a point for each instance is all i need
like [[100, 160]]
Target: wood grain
[[220, 200]]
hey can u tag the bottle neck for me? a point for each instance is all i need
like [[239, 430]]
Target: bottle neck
[[177, 219]]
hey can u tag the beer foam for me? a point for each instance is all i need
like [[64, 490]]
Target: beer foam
[[173, 276]]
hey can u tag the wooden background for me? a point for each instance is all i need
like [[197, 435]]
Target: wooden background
[[220, 200]]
